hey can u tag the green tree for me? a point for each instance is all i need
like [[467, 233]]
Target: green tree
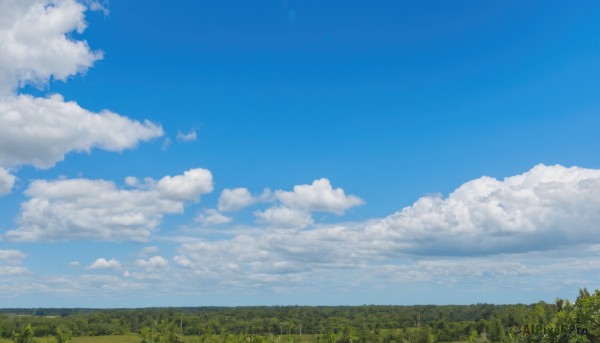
[[573, 323], [25, 335], [63, 335], [473, 336], [164, 332]]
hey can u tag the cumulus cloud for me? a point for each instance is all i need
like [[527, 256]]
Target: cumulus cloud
[[538, 228], [41, 131], [293, 209], [10, 263], [7, 181], [132, 181], [188, 186], [187, 137], [212, 217], [103, 263], [318, 196], [547, 208], [233, 199], [183, 261], [11, 256], [72, 209], [35, 44], [153, 263], [89, 209], [284, 217]]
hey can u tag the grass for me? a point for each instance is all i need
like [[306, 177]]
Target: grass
[[88, 339], [107, 339], [137, 339]]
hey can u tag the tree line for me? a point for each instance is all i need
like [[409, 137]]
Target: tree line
[[561, 321]]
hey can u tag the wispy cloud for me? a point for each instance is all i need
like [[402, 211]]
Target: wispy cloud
[[187, 137]]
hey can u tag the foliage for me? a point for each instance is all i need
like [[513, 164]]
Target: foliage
[[573, 323], [479, 323], [163, 332], [63, 335], [25, 335]]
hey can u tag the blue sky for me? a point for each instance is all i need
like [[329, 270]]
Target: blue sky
[[298, 152]]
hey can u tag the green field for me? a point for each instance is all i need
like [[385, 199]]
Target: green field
[[89, 339], [107, 339], [137, 339]]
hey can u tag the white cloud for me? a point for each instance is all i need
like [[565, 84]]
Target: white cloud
[[35, 45], [10, 263], [74, 264], [89, 209], [485, 228], [294, 208], [7, 181], [72, 209], [188, 186], [13, 270], [132, 181], [11, 256], [235, 199], [187, 137], [284, 217], [98, 6], [212, 217], [103, 263], [546, 207], [41, 131], [183, 261], [535, 230], [153, 263], [319, 196]]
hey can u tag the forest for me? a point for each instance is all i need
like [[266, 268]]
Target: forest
[[561, 321]]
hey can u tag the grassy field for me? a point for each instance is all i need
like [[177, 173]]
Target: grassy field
[[107, 339], [137, 339], [95, 339]]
